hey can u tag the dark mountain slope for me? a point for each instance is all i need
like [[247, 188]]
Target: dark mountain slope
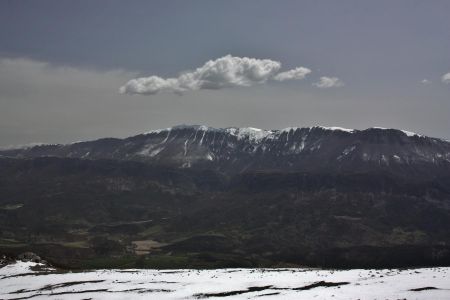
[[264, 199]]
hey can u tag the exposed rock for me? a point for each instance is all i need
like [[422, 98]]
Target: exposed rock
[[30, 256]]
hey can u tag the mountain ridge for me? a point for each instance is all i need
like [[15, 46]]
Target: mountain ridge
[[235, 149]]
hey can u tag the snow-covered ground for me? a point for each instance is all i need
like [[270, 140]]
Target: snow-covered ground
[[18, 281]]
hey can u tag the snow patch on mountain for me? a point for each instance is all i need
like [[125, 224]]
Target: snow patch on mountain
[[334, 128], [252, 134], [346, 152]]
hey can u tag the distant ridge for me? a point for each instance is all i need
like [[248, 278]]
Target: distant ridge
[[236, 149]]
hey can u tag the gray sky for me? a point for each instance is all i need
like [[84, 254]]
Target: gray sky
[[62, 64]]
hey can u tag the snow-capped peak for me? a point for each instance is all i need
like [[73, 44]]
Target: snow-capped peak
[[288, 129], [409, 133], [253, 134], [156, 131], [334, 128], [180, 127], [256, 135]]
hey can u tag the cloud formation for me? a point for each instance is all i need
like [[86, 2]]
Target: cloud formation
[[446, 78], [294, 74], [425, 81], [328, 82], [224, 72]]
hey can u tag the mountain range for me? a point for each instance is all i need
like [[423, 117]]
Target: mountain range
[[237, 150], [197, 196]]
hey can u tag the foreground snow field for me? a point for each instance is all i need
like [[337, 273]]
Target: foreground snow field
[[18, 281]]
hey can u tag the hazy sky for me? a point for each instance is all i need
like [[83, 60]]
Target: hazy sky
[[377, 63]]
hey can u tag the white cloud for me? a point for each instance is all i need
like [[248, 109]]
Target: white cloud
[[328, 82], [224, 72], [446, 78], [294, 74], [425, 81], [150, 85]]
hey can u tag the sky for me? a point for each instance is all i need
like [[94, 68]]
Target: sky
[[81, 70]]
